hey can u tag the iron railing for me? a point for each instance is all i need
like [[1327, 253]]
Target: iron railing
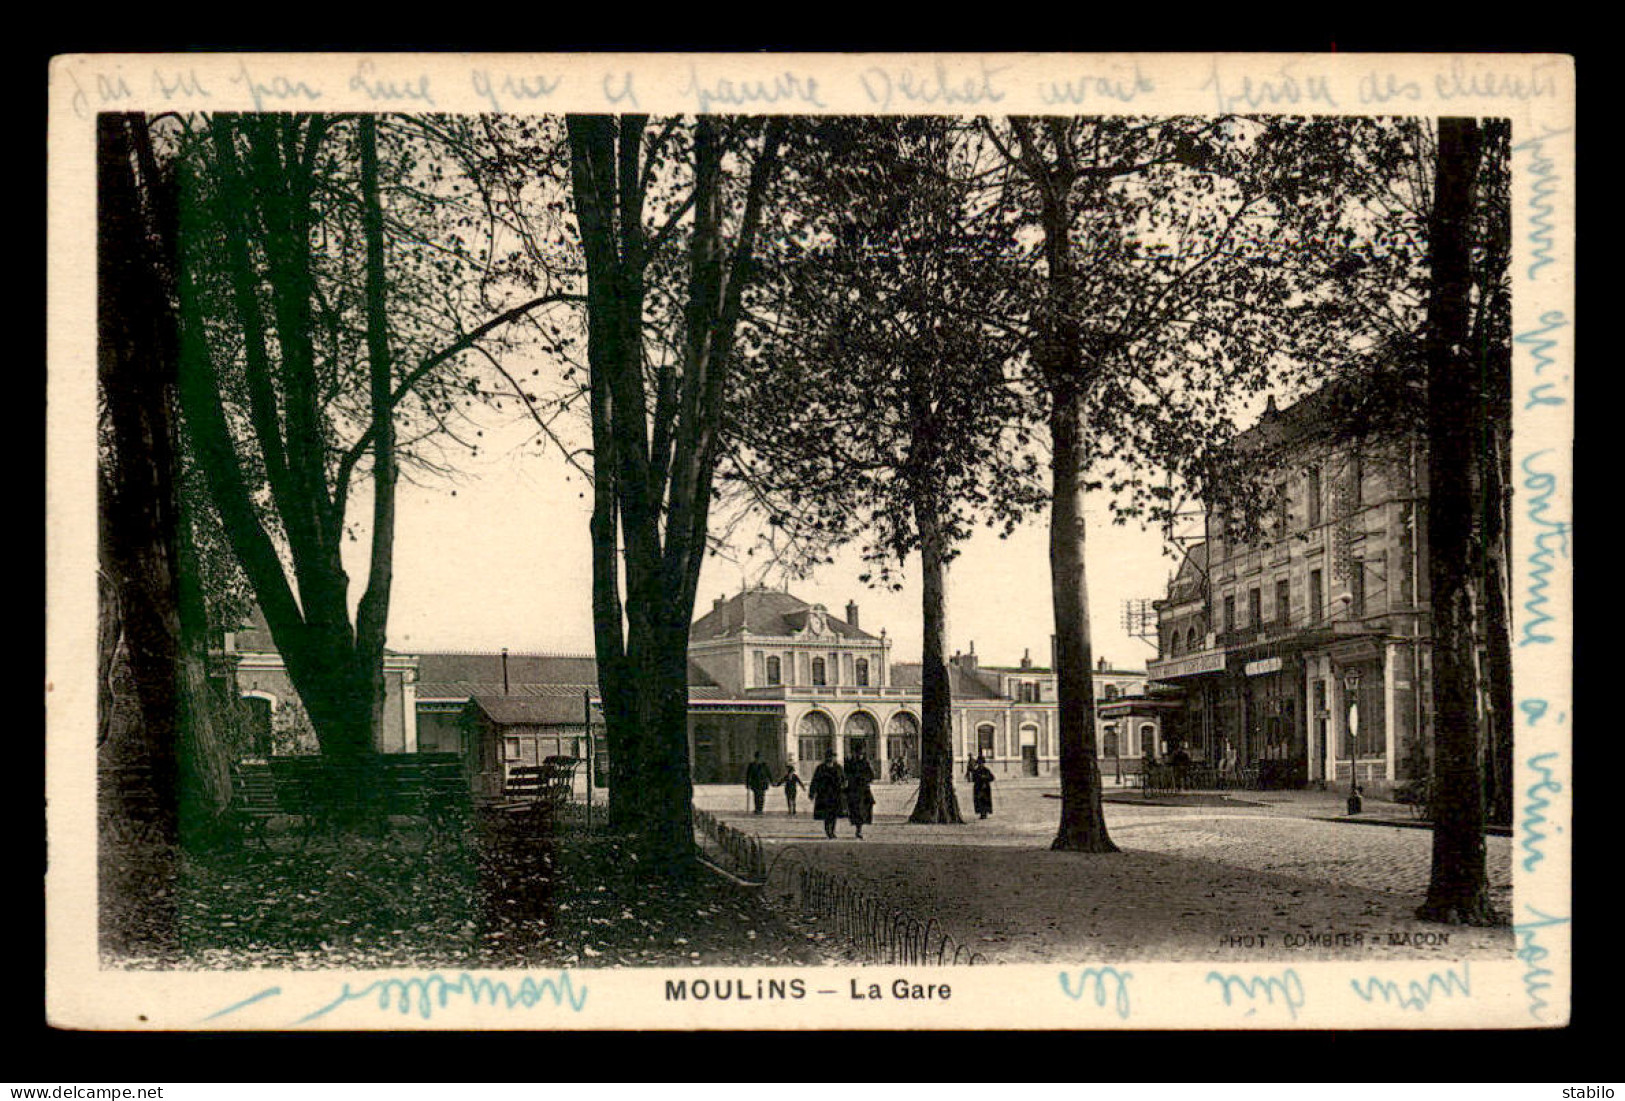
[[734, 850], [880, 930]]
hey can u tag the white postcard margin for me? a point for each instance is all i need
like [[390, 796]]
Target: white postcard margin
[[1531, 988]]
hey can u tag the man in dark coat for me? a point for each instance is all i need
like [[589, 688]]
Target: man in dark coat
[[981, 778], [758, 779], [826, 789], [860, 801]]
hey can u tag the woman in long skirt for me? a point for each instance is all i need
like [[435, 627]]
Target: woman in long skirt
[[860, 800]]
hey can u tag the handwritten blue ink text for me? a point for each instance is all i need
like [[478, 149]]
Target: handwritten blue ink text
[[1415, 995], [1530, 953], [1287, 984], [1541, 485], [435, 990], [1531, 839], [1104, 980]]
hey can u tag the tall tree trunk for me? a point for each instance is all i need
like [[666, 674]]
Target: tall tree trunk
[[109, 619], [1083, 818], [667, 804], [208, 745], [1458, 889], [261, 192], [936, 801], [372, 613], [1063, 360], [652, 487], [136, 353], [1492, 349], [613, 324]]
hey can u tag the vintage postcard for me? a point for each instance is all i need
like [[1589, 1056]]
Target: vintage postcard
[[810, 541]]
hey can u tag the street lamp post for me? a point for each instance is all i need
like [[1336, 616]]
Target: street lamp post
[[1351, 687]]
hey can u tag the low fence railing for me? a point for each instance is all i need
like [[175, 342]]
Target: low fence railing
[[880, 930], [734, 850], [1259, 776]]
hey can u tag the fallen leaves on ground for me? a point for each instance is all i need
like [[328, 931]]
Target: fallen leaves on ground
[[498, 900]]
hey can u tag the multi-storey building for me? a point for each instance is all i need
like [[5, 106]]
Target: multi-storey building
[[1306, 650], [769, 673]]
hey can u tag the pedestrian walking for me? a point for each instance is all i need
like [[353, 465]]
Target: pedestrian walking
[[758, 779], [827, 789], [791, 784], [860, 800], [981, 778]]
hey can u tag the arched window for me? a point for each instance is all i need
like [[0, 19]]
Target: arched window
[[861, 729], [863, 673], [1191, 641], [818, 675], [773, 671], [1148, 740], [814, 734], [903, 740], [1108, 744]]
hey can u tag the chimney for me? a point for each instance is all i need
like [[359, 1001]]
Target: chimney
[[1026, 659], [504, 670], [968, 661], [852, 612], [716, 605], [1053, 664], [1269, 407], [1101, 665]]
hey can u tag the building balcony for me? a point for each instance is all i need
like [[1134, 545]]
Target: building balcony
[[846, 691], [1259, 635]]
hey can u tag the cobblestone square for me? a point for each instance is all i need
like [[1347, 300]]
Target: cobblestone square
[[1266, 876]]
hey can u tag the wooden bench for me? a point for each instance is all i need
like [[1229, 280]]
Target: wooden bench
[[430, 787], [533, 795]]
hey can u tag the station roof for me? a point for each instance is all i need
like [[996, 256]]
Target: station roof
[[766, 612]]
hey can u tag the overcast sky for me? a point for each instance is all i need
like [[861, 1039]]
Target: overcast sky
[[501, 557]]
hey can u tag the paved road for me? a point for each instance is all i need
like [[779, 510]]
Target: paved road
[[1197, 876], [1277, 833]]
